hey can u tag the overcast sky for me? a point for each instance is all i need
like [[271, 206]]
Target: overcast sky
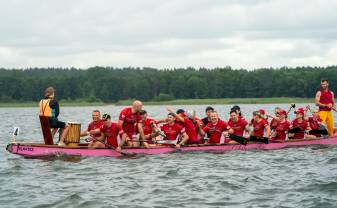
[[168, 33]]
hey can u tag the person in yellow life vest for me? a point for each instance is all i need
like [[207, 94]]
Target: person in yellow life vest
[[49, 107], [326, 102]]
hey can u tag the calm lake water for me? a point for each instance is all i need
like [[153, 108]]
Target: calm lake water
[[297, 177]]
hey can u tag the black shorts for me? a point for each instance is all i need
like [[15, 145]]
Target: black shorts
[[56, 124]]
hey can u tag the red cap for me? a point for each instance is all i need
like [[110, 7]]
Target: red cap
[[301, 111], [262, 111], [282, 112]]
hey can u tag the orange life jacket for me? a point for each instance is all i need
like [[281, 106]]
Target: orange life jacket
[[45, 109]]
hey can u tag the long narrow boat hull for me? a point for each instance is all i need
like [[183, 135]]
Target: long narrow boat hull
[[40, 150]]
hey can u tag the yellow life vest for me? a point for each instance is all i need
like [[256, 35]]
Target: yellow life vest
[[45, 109]]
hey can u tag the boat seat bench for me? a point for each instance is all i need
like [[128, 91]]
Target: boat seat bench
[[45, 127]]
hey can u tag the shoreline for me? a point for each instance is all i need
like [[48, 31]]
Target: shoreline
[[216, 101]]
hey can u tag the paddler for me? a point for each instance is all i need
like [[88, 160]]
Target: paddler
[[129, 120], [325, 101], [93, 127], [260, 125], [299, 123], [148, 125], [237, 109], [184, 121], [110, 134], [198, 124], [208, 111], [280, 126], [315, 123], [275, 119], [49, 107], [236, 124], [173, 131], [216, 129]]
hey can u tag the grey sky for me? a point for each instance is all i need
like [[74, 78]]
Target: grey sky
[[165, 34]]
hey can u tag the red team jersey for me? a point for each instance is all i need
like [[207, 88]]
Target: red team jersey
[[303, 125], [130, 121], [273, 123], [172, 132], [215, 131], [314, 122], [147, 128], [258, 127], [190, 130], [280, 129], [111, 133], [238, 127], [95, 125]]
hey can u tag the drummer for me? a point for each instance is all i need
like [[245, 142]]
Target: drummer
[[93, 127], [49, 107]]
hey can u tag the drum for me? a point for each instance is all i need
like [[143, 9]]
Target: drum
[[73, 137]]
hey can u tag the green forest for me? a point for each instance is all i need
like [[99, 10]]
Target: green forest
[[110, 85]]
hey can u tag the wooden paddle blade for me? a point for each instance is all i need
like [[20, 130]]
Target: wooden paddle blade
[[238, 139]]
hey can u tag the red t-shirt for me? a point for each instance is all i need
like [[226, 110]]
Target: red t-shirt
[[172, 132], [190, 130], [215, 131], [303, 125], [281, 128], [130, 121], [258, 127], [196, 126], [273, 123], [147, 128], [238, 127], [95, 125], [314, 122], [111, 133]]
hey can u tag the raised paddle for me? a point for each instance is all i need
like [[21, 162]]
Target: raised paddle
[[15, 134], [292, 105]]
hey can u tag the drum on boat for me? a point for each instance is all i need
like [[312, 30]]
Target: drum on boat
[[73, 137]]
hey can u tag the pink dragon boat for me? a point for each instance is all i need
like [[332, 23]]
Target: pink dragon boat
[[32, 150]]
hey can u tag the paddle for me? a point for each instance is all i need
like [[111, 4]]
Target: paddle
[[108, 145], [157, 131], [15, 134], [259, 139], [292, 105], [319, 131], [314, 131], [238, 139], [295, 130]]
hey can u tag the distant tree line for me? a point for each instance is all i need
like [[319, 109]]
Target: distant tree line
[[112, 84]]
